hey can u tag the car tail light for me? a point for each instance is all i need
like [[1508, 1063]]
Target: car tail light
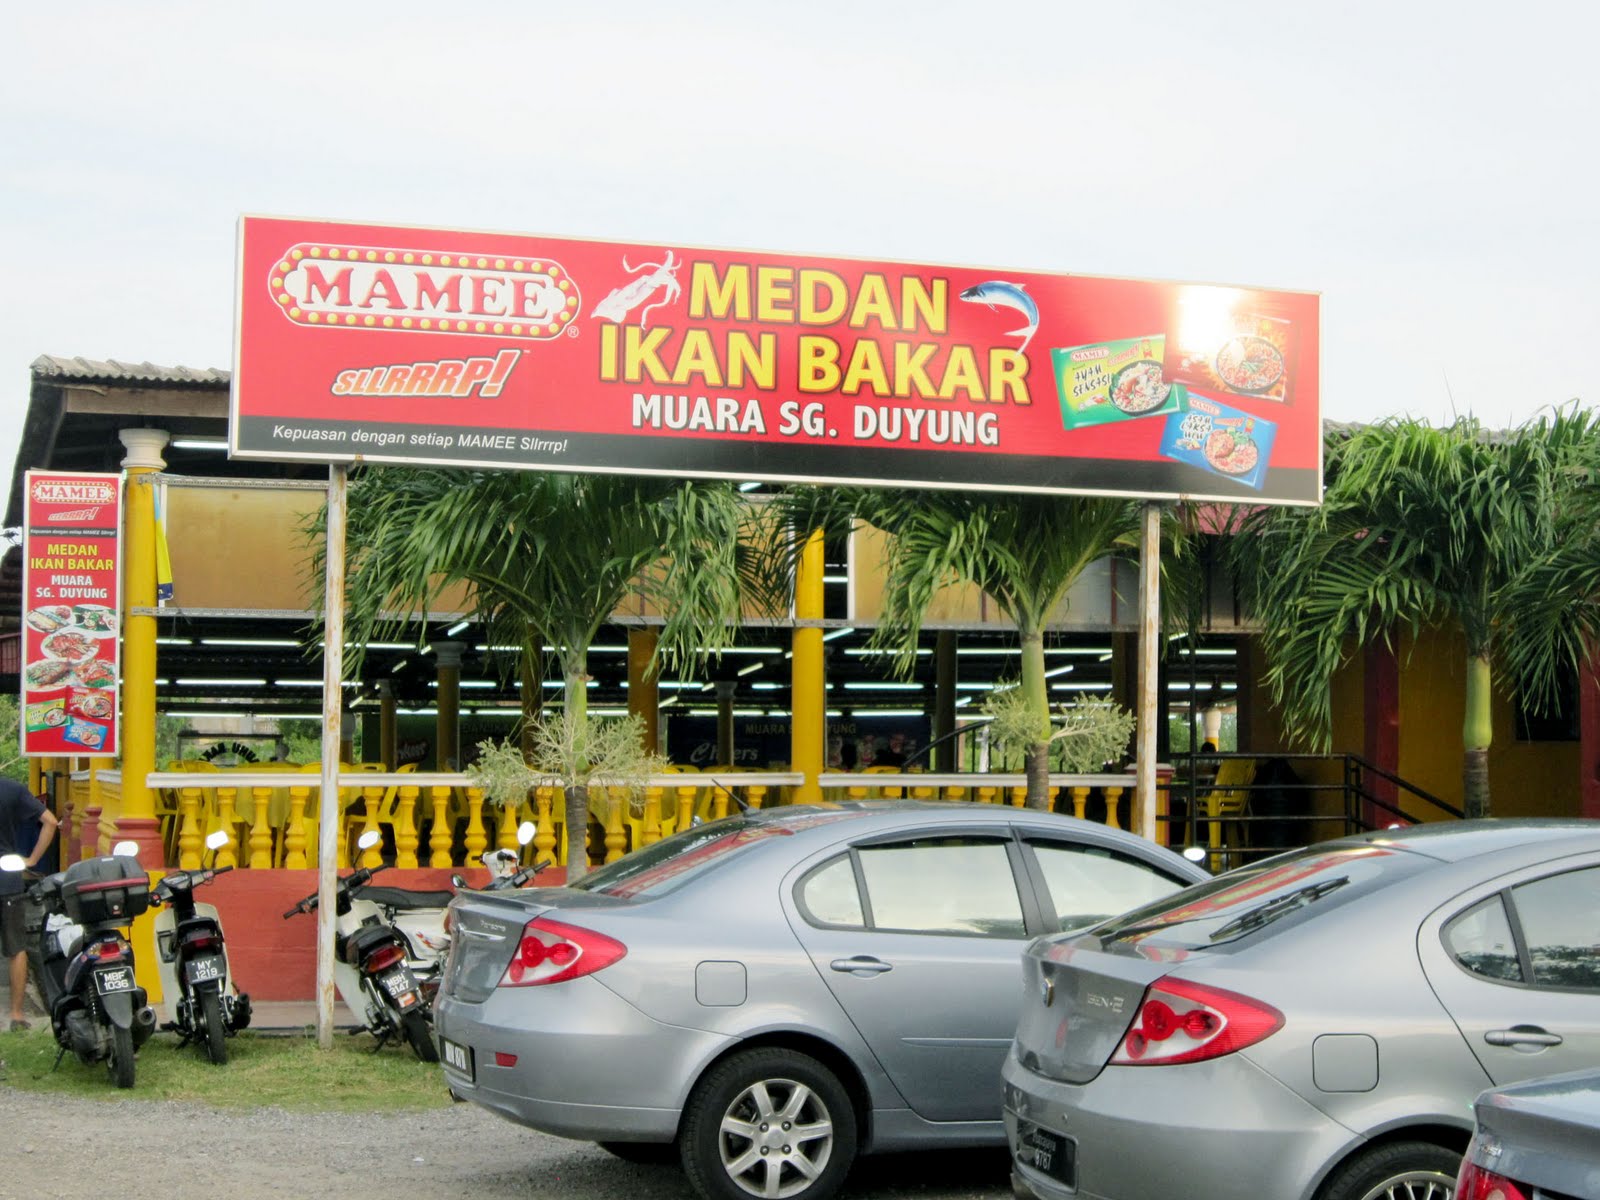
[[1182, 1022], [552, 952], [1476, 1183], [383, 956]]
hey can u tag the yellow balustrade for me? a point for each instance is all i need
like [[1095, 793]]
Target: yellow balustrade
[[227, 856], [650, 826], [371, 800], [294, 830], [190, 838], [686, 795], [1080, 800], [613, 803], [756, 793], [477, 839], [506, 836], [405, 827], [441, 840], [544, 840], [1018, 796], [261, 827], [1113, 794]]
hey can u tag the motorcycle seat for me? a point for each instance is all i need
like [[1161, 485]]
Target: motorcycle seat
[[404, 899]]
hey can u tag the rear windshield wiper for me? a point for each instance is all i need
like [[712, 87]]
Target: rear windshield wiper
[[1278, 906]]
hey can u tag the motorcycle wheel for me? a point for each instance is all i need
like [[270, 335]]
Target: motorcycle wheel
[[211, 1018], [415, 1027], [120, 1064]]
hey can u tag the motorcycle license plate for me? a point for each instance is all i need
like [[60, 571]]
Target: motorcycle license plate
[[203, 970], [118, 979], [1048, 1152], [456, 1056], [401, 986]]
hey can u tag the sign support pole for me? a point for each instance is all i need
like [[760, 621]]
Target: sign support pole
[[332, 710], [1144, 796]]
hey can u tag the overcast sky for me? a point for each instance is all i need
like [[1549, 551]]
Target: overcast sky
[[1429, 170]]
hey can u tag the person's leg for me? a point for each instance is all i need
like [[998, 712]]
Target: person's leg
[[19, 985]]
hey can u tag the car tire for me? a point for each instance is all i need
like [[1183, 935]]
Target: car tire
[[649, 1154], [730, 1153], [1397, 1171]]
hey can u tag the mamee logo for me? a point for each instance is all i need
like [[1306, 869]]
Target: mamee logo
[[64, 491], [423, 291], [1089, 354]]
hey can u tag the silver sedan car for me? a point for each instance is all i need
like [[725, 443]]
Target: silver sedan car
[[1314, 1026], [1535, 1141], [771, 994]]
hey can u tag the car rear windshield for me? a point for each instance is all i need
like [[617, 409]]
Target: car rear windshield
[[1252, 899]]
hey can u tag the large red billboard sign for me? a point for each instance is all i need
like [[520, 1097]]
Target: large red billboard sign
[[363, 342], [71, 596]]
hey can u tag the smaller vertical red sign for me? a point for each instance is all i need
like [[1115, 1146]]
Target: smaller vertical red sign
[[71, 611]]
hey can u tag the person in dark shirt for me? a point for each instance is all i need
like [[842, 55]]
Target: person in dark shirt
[[27, 828]]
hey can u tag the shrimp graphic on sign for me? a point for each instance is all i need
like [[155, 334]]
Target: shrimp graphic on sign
[[623, 300]]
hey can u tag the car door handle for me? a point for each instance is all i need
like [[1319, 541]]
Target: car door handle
[[1522, 1035], [861, 964]]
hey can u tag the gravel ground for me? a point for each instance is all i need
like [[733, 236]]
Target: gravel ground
[[161, 1150]]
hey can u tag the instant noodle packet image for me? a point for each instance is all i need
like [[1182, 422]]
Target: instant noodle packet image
[[1243, 351], [1236, 445], [46, 714], [87, 734], [1113, 381]]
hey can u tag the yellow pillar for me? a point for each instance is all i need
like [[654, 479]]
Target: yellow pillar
[[447, 757], [808, 688], [136, 820], [644, 699]]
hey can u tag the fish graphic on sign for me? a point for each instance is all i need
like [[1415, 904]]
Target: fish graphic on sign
[[998, 294]]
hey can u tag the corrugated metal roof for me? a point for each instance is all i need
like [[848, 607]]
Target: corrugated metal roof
[[91, 370]]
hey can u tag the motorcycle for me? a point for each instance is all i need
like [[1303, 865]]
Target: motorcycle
[[369, 967], [421, 919], [195, 977], [84, 963]]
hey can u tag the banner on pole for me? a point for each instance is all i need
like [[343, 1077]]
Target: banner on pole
[[71, 604]]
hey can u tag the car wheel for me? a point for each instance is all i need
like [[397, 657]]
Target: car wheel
[[650, 1154], [1397, 1171], [770, 1123]]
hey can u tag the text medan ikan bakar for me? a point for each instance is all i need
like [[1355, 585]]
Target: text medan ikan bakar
[[897, 368], [71, 556]]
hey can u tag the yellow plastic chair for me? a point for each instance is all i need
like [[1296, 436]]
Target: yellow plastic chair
[[1227, 800]]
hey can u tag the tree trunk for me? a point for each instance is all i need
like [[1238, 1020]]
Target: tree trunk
[[575, 803], [1477, 732], [1037, 760], [1036, 763]]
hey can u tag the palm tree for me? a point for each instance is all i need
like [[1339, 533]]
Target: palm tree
[[1423, 527], [545, 559], [1025, 551]]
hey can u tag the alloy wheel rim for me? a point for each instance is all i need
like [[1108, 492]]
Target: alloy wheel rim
[[1414, 1185], [775, 1138]]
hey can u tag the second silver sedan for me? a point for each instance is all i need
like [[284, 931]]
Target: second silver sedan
[[776, 992]]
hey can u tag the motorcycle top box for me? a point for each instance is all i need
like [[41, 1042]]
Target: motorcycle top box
[[98, 891]]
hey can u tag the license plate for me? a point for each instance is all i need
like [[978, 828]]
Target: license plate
[[398, 983], [456, 1056], [203, 970], [118, 979], [1047, 1152]]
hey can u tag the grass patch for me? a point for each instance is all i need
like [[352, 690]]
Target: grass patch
[[261, 1071]]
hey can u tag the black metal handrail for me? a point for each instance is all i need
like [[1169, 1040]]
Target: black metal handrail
[[1268, 820]]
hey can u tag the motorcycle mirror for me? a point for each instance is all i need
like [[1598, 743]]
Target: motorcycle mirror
[[13, 862], [369, 839], [1195, 854], [458, 881], [216, 840], [525, 832], [126, 850]]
